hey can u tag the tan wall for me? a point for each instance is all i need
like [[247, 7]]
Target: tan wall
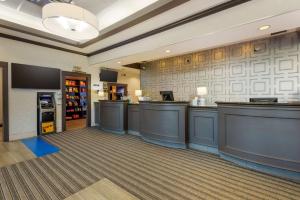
[[268, 67], [132, 78], [1, 96]]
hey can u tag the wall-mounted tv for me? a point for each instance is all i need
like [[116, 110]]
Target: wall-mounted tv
[[108, 75], [34, 77]]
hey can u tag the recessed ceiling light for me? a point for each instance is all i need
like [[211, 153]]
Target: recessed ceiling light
[[265, 27], [119, 62], [2, 0], [168, 51]]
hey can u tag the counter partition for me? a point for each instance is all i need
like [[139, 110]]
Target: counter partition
[[264, 133], [113, 116], [164, 123]]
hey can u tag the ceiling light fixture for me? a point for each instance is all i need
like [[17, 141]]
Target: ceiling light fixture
[[2, 0], [119, 62], [70, 21], [168, 51], [265, 27]]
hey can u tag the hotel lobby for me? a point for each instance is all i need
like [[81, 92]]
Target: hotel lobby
[[149, 99]]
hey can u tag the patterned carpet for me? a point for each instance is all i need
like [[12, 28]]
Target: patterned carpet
[[146, 171]]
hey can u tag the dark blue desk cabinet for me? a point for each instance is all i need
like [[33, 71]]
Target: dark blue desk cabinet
[[134, 119], [203, 128]]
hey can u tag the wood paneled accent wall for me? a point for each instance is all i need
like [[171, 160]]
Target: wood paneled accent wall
[[267, 67]]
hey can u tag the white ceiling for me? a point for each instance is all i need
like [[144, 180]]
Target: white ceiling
[[108, 12], [95, 6], [233, 25], [31, 8]]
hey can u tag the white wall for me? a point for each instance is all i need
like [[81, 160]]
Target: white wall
[[1, 97], [22, 102]]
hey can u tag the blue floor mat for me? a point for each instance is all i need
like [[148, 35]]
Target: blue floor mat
[[40, 147]]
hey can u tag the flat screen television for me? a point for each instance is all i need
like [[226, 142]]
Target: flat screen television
[[34, 77], [108, 76]]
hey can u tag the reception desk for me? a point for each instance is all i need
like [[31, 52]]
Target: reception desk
[[203, 128], [113, 116], [264, 133], [134, 119], [249, 134], [164, 123]]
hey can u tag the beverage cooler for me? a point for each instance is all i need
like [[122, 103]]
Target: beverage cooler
[[46, 113]]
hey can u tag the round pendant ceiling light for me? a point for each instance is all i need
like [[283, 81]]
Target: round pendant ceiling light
[[70, 21]]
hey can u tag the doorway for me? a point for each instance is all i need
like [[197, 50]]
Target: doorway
[[76, 101], [4, 135]]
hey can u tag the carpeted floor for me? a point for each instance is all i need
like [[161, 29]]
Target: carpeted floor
[[146, 171]]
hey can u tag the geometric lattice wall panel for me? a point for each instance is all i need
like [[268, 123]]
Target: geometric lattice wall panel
[[201, 58], [218, 71], [238, 87], [286, 85], [238, 52], [260, 87], [203, 73], [218, 55], [286, 44], [238, 69], [286, 64], [262, 68], [218, 98], [218, 88], [237, 99], [260, 48]]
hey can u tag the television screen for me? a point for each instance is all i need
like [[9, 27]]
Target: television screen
[[108, 75], [34, 77]]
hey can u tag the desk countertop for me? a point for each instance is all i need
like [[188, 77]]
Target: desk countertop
[[296, 103], [165, 102]]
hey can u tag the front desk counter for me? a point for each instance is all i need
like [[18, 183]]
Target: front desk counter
[[203, 128], [164, 123], [264, 133], [134, 119], [113, 116], [201, 122]]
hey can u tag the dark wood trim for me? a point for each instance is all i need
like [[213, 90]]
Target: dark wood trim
[[4, 66], [123, 25], [186, 20], [64, 74], [37, 33], [134, 65], [149, 15], [40, 44]]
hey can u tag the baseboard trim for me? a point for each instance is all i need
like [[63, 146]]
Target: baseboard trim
[[204, 148], [135, 133], [165, 144], [113, 131], [281, 173]]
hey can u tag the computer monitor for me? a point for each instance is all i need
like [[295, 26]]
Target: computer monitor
[[167, 95], [264, 100]]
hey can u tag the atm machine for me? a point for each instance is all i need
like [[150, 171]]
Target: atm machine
[[46, 112]]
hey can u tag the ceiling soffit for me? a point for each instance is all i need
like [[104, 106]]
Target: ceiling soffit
[[151, 13]]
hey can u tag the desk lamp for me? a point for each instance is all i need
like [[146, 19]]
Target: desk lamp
[[201, 92]]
